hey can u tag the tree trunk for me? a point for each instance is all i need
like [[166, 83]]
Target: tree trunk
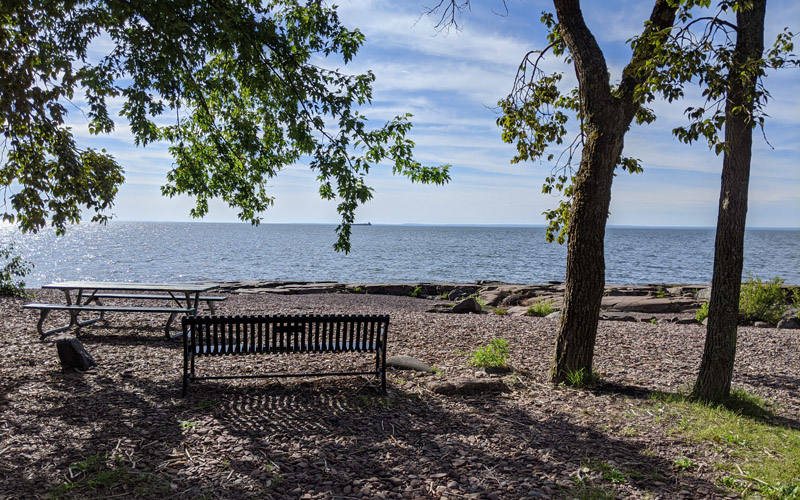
[[585, 256], [606, 117], [716, 369]]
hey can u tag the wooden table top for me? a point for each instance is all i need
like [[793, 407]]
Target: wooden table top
[[138, 287]]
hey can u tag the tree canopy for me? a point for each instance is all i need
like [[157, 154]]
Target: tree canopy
[[238, 88]]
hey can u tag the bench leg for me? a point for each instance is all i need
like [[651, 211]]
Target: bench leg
[[185, 373], [381, 362], [169, 323], [211, 307]]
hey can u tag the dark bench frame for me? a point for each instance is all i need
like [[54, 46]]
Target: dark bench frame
[[281, 334]]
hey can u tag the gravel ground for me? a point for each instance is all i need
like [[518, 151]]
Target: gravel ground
[[334, 437]]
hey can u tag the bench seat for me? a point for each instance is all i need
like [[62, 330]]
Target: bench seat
[[96, 308], [74, 310]]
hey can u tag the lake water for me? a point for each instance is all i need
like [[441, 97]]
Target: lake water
[[146, 251]]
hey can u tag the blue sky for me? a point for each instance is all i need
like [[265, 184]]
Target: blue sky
[[451, 82]]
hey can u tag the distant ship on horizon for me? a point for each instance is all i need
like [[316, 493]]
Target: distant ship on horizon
[[361, 224]]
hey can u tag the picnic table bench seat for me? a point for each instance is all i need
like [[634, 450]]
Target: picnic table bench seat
[[85, 296], [45, 309], [208, 336]]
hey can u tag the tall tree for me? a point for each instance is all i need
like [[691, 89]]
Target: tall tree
[[237, 88], [606, 114], [716, 369], [534, 118], [729, 63]]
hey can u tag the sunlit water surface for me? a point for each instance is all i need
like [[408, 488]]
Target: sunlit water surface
[[146, 251]]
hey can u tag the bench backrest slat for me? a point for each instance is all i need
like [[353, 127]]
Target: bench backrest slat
[[230, 335]]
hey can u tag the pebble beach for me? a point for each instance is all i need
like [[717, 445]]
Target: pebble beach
[[337, 438]]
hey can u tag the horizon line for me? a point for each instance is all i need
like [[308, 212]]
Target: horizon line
[[445, 224]]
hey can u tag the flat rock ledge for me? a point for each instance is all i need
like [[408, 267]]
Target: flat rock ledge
[[408, 363], [464, 386], [656, 302]]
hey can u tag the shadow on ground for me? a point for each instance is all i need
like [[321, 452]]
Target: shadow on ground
[[329, 436]]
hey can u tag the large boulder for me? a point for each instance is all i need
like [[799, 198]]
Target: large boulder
[[790, 323], [648, 304], [73, 355], [703, 294], [468, 305]]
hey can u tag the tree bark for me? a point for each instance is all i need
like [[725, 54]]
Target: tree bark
[[716, 368], [606, 116]]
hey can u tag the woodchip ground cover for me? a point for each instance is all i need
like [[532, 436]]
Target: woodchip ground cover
[[122, 430]]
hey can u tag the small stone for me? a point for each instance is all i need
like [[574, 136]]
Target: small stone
[[480, 374], [761, 324], [452, 485], [556, 315]]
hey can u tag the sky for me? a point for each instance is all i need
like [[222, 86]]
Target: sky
[[451, 82]]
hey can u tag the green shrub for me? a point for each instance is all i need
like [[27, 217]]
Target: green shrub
[[500, 311], [417, 291], [493, 355], [13, 272], [762, 300], [701, 313], [541, 308]]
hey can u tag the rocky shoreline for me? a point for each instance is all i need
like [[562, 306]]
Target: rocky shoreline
[[656, 302]]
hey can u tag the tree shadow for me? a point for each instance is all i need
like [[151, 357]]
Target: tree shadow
[[408, 437], [237, 439]]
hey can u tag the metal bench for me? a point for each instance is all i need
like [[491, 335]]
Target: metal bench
[[74, 310], [279, 334]]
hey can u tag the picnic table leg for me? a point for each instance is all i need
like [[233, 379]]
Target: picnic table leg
[[73, 315], [169, 323], [43, 313]]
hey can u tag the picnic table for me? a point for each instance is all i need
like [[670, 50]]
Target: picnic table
[[88, 296]]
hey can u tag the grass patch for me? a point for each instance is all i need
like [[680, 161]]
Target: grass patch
[[186, 425], [684, 463], [758, 458], [661, 293], [701, 314], [417, 291], [582, 378], [500, 311], [584, 490], [492, 355], [101, 476], [540, 309]]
